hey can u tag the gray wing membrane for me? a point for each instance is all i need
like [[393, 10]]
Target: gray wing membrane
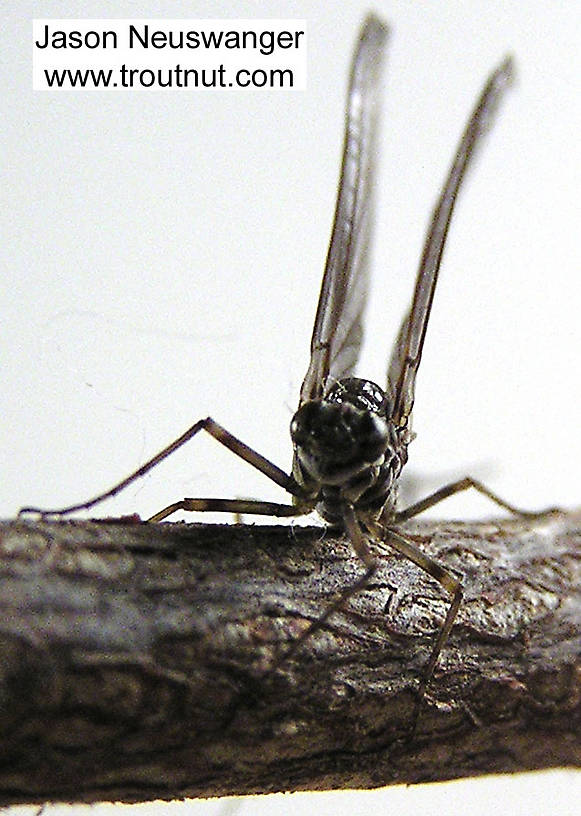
[[407, 351], [337, 332]]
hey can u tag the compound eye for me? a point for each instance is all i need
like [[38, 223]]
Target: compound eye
[[374, 437], [302, 422]]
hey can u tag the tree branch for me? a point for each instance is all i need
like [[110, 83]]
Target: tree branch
[[135, 659]]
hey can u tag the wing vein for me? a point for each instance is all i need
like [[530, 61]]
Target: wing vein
[[337, 331]]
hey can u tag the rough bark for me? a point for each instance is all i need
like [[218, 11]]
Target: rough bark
[[135, 659]]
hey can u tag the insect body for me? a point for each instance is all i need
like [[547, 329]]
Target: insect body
[[350, 437], [346, 449]]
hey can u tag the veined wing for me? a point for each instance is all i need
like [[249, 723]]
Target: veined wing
[[407, 351], [337, 331]]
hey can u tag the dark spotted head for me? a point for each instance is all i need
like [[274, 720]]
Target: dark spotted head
[[342, 434]]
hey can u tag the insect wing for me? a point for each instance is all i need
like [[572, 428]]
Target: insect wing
[[407, 351], [337, 332]]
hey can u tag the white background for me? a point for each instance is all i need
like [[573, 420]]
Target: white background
[[162, 253]]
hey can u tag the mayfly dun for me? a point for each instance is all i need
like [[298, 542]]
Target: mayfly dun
[[350, 436]]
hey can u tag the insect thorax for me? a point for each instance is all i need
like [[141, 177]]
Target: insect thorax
[[346, 448]]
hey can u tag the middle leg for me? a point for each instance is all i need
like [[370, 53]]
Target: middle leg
[[458, 487], [452, 585]]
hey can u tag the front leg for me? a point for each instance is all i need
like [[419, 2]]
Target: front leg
[[214, 429], [361, 547]]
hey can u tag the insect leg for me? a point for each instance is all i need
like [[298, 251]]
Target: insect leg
[[242, 505], [449, 582], [457, 487], [214, 429], [236, 506], [361, 547]]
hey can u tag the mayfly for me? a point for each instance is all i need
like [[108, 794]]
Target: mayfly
[[350, 437]]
